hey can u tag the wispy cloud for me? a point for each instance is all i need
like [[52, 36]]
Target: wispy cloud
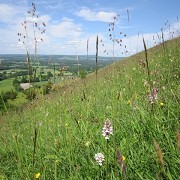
[[9, 12], [91, 15], [65, 29], [72, 21]]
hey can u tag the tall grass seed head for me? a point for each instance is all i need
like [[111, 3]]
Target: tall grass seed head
[[159, 154], [178, 140]]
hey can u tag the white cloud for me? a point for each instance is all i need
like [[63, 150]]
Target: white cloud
[[32, 19], [9, 13], [53, 4], [62, 32], [173, 30], [96, 16], [65, 29], [44, 18], [71, 42]]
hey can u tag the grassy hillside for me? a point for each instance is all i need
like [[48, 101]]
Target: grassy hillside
[[58, 136]]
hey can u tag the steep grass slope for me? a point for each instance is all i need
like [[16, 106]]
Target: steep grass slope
[[58, 137]]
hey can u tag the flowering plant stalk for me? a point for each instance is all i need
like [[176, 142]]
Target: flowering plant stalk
[[107, 129], [32, 23], [107, 163], [106, 132]]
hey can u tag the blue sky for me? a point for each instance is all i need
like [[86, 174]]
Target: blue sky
[[69, 23]]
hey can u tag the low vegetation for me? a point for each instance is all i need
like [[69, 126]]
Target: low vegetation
[[122, 124]]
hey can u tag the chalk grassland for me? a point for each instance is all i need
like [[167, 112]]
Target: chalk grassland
[[58, 136]]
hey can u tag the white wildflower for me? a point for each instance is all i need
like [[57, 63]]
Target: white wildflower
[[99, 157]]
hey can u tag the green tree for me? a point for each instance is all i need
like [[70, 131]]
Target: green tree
[[49, 74], [24, 80], [83, 74], [15, 81]]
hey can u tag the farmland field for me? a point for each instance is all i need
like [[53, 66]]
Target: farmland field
[[14, 67], [6, 85]]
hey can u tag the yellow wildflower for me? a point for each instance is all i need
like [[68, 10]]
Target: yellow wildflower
[[161, 104], [87, 144], [128, 102], [123, 158], [37, 175], [56, 142]]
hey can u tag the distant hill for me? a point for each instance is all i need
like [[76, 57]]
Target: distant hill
[[55, 58]]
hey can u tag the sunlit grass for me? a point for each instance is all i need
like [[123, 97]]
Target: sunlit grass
[[19, 101], [6, 85], [57, 137]]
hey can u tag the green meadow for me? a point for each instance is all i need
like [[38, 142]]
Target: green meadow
[[6, 85], [136, 100]]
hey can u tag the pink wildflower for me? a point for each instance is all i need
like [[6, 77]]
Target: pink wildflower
[[153, 96], [107, 129]]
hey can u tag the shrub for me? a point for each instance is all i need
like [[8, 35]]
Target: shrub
[[4, 97], [83, 74], [15, 81], [47, 88], [24, 80], [30, 93], [2, 76], [16, 85], [49, 75], [10, 95]]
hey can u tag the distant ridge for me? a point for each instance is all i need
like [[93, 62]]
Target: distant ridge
[[58, 57]]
